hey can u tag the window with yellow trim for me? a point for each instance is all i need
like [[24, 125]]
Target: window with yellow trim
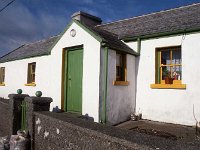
[[2, 75], [121, 71], [31, 73], [168, 65]]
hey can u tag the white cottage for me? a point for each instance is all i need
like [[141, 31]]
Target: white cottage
[[146, 64]]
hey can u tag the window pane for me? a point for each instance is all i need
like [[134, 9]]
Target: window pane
[[176, 56], [165, 57], [118, 60], [177, 72], [118, 73], [33, 77], [33, 68], [166, 72]]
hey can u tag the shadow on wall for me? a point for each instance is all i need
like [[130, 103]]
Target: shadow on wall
[[137, 61]]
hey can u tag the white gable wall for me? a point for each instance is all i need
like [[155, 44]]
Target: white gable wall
[[91, 67], [169, 105], [49, 71]]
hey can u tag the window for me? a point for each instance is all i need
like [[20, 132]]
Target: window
[[31, 73], [121, 69], [169, 67], [2, 75]]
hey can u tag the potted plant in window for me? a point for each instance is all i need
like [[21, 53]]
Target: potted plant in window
[[167, 77]]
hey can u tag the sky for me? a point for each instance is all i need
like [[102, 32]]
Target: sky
[[26, 21]]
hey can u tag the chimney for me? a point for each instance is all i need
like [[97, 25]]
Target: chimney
[[87, 19]]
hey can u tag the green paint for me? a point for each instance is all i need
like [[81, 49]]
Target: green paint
[[103, 115], [38, 93], [138, 45], [19, 91], [23, 119], [65, 81], [158, 69], [73, 76]]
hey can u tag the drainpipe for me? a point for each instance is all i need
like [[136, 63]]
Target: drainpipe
[[136, 67], [103, 112], [138, 45]]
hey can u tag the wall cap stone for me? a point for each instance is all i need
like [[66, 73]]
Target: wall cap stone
[[38, 100], [19, 97]]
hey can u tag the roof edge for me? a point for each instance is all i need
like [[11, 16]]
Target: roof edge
[[28, 57], [163, 34]]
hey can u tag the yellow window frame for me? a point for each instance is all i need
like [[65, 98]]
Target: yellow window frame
[[122, 79], [159, 83], [31, 74], [2, 76]]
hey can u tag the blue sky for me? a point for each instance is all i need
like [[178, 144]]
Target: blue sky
[[25, 21]]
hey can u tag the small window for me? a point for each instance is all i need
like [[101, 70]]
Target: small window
[[121, 72], [31, 73], [169, 65], [2, 75], [120, 67]]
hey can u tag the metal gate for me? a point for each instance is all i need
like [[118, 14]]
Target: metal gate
[[23, 117]]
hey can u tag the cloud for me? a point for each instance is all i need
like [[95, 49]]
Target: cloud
[[19, 25]]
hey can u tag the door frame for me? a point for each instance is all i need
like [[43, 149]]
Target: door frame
[[64, 76]]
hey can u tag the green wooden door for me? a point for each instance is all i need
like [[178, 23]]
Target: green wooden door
[[74, 80]]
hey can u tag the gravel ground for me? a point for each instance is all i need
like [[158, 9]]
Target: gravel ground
[[162, 136], [156, 142]]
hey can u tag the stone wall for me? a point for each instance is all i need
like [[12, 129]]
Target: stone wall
[[5, 116], [10, 114], [61, 131]]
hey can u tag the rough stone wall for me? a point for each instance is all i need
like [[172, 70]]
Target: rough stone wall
[[5, 115], [59, 131]]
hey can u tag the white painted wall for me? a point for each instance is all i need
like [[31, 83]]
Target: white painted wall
[[91, 67], [16, 76], [49, 69], [169, 105], [120, 99]]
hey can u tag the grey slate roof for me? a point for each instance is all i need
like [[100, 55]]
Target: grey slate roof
[[38, 48], [112, 41], [182, 18]]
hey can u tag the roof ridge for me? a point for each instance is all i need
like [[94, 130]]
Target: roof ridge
[[162, 11]]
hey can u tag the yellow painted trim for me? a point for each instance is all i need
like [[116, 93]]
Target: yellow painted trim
[[2, 84], [30, 84], [168, 86], [121, 83], [63, 80]]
